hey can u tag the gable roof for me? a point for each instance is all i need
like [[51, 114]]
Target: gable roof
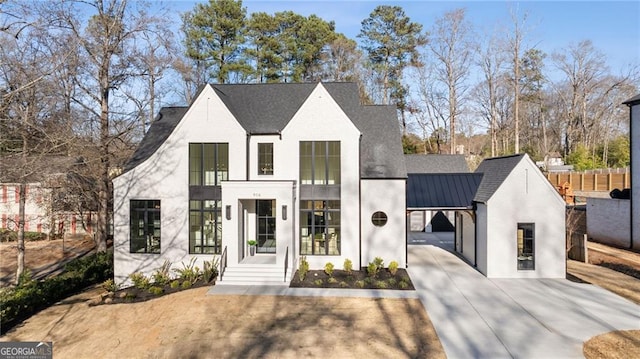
[[632, 101], [442, 190], [436, 163], [268, 108], [495, 171], [167, 120]]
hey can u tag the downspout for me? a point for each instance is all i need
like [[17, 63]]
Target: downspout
[[359, 202], [247, 154], [632, 172]]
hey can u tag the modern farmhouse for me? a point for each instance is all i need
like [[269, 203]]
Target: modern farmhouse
[[301, 169]]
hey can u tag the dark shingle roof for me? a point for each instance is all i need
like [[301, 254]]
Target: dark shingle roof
[[167, 119], [419, 163], [268, 108], [442, 190], [632, 101], [495, 171]]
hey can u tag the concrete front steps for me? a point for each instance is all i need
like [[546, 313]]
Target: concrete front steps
[[255, 274]]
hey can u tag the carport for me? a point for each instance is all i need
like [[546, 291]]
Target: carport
[[447, 192]]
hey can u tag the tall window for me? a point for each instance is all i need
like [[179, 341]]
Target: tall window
[[208, 163], [205, 227], [320, 227], [266, 226], [265, 158], [319, 162], [526, 246], [144, 226]]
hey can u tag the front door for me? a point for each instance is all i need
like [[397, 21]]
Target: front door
[[266, 226]]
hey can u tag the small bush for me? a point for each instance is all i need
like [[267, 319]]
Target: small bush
[[175, 284], [186, 284], [211, 269], [303, 268], [318, 282], [130, 297], [139, 280], [378, 262], [343, 284], [7, 235], [392, 281], [332, 280], [348, 266], [369, 280], [403, 284], [393, 267], [110, 286], [189, 272], [156, 290], [328, 268], [360, 283], [381, 284], [162, 276], [372, 269]]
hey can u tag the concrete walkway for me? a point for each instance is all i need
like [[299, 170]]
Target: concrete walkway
[[476, 317]]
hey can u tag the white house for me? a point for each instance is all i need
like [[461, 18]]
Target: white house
[[634, 136], [303, 169], [519, 221]]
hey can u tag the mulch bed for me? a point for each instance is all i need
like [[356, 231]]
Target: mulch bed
[[354, 280], [136, 295]]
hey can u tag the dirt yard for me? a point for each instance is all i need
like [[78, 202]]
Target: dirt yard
[[40, 256], [191, 324]]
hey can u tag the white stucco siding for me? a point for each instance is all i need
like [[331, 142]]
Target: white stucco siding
[[388, 241], [164, 176], [526, 197], [482, 217], [635, 174], [320, 118]]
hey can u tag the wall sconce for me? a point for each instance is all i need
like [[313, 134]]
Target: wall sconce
[[228, 212], [284, 212]]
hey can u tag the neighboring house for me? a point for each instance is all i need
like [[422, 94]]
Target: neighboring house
[[510, 221], [50, 206], [303, 169], [634, 136], [433, 219]]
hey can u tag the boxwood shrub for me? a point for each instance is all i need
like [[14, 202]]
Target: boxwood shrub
[[12, 236], [31, 296]]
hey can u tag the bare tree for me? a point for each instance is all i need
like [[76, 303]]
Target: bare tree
[[515, 41], [451, 44]]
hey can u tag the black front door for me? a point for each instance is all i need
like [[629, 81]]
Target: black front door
[[266, 226]]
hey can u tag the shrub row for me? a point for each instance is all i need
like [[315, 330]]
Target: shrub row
[[12, 236], [31, 296]]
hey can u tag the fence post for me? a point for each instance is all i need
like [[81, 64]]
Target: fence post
[[595, 181], [584, 245], [582, 181], [609, 182]]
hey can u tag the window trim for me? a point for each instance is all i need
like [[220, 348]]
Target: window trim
[[216, 212], [520, 262], [146, 210], [265, 155]]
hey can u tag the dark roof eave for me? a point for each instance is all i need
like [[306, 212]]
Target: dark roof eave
[[632, 101], [440, 208]]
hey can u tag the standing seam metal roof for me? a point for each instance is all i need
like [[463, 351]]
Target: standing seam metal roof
[[442, 190]]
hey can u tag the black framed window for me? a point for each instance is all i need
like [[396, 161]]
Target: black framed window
[[266, 226], [526, 246], [265, 158], [144, 225], [205, 227], [320, 227], [208, 164], [320, 162]]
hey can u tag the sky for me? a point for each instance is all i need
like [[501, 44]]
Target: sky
[[612, 26]]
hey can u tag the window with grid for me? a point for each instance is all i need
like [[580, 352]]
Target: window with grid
[[265, 158], [144, 226], [526, 246]]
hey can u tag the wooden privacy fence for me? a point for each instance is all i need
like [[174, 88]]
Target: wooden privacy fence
[[577, 247], [581, 181]]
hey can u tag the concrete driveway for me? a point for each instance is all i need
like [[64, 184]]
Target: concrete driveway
[[476, 317]]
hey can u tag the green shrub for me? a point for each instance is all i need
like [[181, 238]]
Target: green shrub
[[393, 267], [156, 290], [343, 284], [30, 296], [211, 269], [332, 280], [348, 266], [372, 269], [7, 235], [175, 284], [162, 275], [369, 280], [392, 281], [381, 284], [318, 282], [130, 297], [139, 280], [360, 283], [110, 286], [186, 284], [303, 268], [328, 268], [189, 272], [378, 262], [403, 284]]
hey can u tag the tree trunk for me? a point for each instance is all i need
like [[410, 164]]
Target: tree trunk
[[104, 180], [21, 217]]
